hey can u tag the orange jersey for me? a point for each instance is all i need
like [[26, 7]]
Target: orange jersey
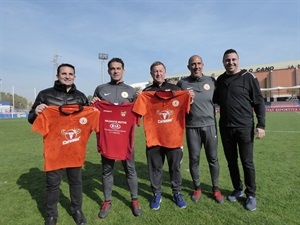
[[66, 130], [164, 116]]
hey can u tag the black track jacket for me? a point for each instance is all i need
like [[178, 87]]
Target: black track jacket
[[238, 95], [57, 95]]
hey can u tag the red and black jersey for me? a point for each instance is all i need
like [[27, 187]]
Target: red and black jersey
[[115, 139]]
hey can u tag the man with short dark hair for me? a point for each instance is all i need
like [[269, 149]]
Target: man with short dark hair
[[238, 95], [63, 92], [117, 92]]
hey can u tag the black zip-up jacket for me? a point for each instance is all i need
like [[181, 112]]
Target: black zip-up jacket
[[57, 95], [165, 86], [238, 95]]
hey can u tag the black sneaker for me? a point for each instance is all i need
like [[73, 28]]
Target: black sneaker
[[50, 220], [79, 217], [235, 195], [251, 203]]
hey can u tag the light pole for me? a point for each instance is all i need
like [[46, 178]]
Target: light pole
[[55, 65], [102, 57]]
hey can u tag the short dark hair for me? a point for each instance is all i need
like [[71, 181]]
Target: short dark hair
[[156, 63], [228, 51], [115, 60], [63, 65]]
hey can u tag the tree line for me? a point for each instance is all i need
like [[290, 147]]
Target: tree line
[[20, 102]]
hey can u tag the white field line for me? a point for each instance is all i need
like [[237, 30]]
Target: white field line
[[283, 131]]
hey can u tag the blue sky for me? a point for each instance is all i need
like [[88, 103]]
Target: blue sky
[[139, 32]]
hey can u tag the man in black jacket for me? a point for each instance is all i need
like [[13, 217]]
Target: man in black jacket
[[63, 92], [238, 95]]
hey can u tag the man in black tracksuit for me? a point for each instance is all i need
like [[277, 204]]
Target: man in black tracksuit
[[238, 94]]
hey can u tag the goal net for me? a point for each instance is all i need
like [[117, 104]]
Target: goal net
[[282, 96]]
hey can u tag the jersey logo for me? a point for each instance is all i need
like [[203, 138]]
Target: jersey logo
[[175, 103], [115, 126], [71, 135], [206, 87], [123, 113], [124, 94], [165, 116], [83, 120]]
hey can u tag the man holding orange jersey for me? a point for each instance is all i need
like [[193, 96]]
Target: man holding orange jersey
[[63, 92], [163, 106]]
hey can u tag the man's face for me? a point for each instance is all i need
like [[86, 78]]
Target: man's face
[[116, 71], [158, 74], [66, 76], [196, 66], [231, 63]]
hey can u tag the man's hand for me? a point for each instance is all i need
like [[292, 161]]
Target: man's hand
[[95, 99], [259, 133], [40, 108], [138, 92], [192, 94]]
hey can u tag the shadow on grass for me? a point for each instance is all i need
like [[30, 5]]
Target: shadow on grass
[[91, 180], [92, 183], [34, 182]]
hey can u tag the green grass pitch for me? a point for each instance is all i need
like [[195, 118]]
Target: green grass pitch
[[277, 160]]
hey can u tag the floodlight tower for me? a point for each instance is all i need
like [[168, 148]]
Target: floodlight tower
[[102, 57], [55, 65]]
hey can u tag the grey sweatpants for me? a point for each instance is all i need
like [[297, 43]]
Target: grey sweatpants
[[207, 137], [108, 177]]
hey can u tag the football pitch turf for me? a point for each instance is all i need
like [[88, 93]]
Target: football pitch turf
[[277, 160]]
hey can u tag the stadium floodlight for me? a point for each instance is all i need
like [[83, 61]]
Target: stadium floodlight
[[102, 57]]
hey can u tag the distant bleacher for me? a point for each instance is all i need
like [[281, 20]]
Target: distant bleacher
[[291, 103]]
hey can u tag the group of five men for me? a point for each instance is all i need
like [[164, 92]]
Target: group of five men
[[237, 93]]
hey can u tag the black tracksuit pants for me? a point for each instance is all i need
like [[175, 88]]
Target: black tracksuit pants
[[53, 180], [155, 160], [239, 141]]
